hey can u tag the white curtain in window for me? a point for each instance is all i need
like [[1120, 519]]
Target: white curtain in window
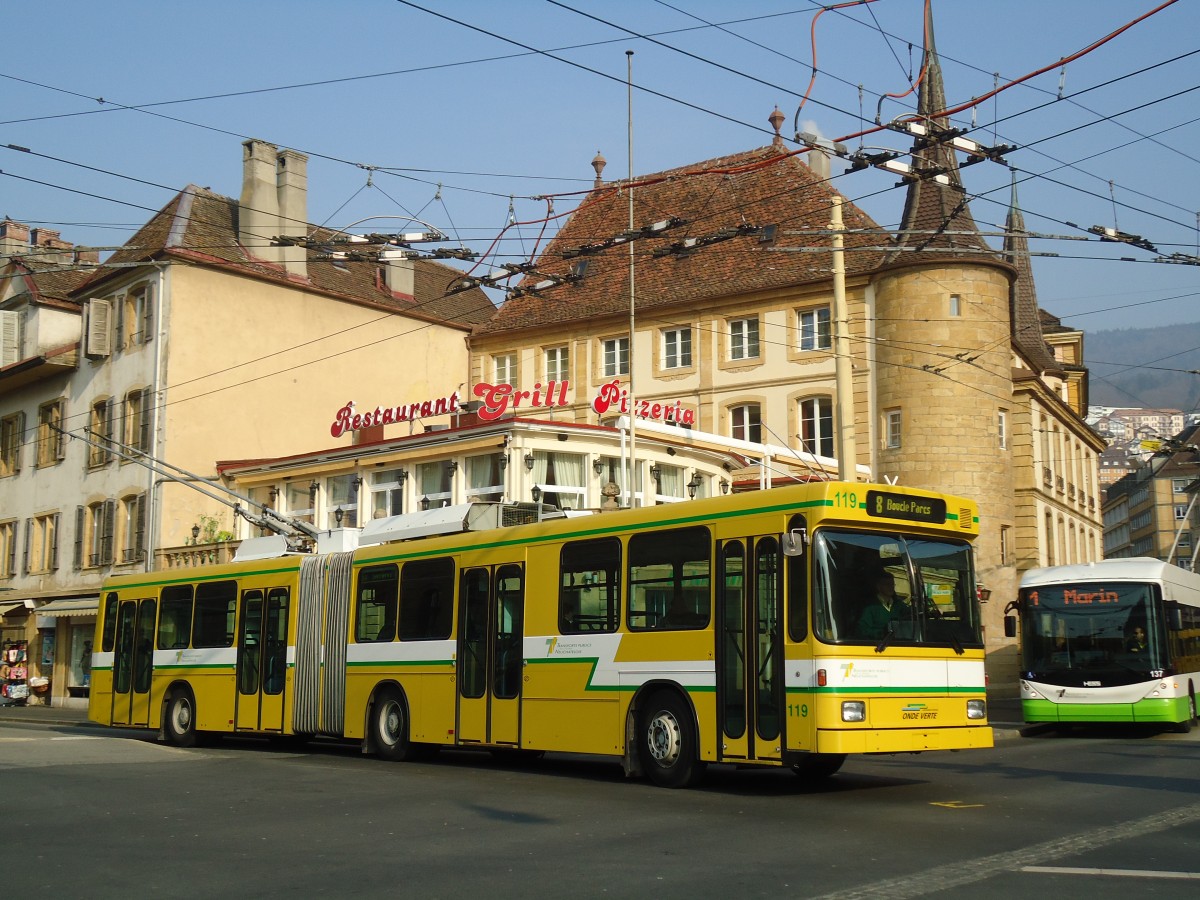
[[671, 481]]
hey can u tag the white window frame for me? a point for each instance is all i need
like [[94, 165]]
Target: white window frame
[[504, 368], [558, 363], [814, 415], [743, 339], [616, 356], [677, 348], [893, 434], [815, 329], [750, 416]]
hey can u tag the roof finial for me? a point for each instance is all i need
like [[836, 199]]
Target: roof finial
[[598, 163], [776, 119]]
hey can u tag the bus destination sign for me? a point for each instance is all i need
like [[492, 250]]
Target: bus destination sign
[[890, 505]]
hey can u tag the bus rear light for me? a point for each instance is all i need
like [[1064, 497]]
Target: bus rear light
[[854, 711], [822, 678], [976, 709]]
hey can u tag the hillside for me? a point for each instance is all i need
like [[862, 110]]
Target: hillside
[[1145, 367]]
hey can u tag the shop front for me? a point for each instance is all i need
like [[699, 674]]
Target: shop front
[[63, 649]]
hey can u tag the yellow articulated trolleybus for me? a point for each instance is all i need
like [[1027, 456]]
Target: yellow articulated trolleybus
[[735, 630]]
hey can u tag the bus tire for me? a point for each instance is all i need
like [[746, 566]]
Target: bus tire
[[1186, 725], [667, 744], [818, 766], [179, 724], [389, 726]]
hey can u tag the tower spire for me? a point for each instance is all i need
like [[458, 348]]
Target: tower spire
[[936, 214], [1023, 306]]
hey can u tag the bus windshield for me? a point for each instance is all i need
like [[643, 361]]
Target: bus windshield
[[1074, 633], [894, 589]]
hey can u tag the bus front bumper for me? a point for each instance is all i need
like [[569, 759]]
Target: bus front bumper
[[866, 740]]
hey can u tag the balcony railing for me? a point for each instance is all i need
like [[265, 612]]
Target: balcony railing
[[193, 555]]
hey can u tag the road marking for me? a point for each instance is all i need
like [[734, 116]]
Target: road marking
[[1122, 873], [955, 875], [956, 804]]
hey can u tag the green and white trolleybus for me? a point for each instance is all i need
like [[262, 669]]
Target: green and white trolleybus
[[1110, 641]]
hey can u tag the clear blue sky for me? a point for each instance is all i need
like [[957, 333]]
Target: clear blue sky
[[429, 101]]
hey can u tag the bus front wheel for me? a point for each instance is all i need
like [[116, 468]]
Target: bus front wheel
[[180, 724], [1186, 725], [819, 766], [667, 742]]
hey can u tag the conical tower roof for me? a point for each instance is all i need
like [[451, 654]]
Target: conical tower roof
[[1026, 322], [937, 221]]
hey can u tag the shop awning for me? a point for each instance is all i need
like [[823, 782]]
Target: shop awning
[[73, 606], [11, 605]]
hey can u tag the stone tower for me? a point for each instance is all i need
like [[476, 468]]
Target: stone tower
[[942, 349]]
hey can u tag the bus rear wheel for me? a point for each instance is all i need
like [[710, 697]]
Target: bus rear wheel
[[180, 723], [389, 727], [667, 743]]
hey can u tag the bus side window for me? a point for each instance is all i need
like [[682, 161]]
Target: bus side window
[[175, 618], [670, 579], [109, 637], [589, 592], [216, 606], [375, 607], [427, 600], [797, 588]]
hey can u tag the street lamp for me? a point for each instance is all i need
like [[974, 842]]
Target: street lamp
[[425, 502], [724, 485], [195, 534], [693, 485], [528, 462], [338, 514]]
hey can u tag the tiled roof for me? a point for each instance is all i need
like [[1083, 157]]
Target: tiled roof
[[201, 226], [50, 282], [761, 187]]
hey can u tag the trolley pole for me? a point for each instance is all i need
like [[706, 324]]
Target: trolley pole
[[847, 451]]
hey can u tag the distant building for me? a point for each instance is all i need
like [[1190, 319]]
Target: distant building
[[1150, 512]]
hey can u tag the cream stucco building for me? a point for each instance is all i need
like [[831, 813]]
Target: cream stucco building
[[200, 339]]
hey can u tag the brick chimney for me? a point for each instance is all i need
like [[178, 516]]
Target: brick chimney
[[14, 238]]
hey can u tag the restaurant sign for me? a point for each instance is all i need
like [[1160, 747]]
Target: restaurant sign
[[498, 399]]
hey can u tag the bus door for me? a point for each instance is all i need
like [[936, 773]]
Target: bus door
[[490, 658], [262, 660], [750, 649], [133, 661]]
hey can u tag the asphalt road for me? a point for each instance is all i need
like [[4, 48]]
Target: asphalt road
[[115, 814]]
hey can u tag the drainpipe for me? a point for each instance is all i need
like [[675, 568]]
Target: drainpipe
[[153, 491]]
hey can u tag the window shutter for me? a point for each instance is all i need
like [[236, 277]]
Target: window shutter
[[80, 512], [28, 546], [118, 317], [10, 337], [108, 527], [20, 442], [147, 413], [60, 434], [52, 563], [109, 416], [12, 550], [98, 330], [139, 524], [148, 314]]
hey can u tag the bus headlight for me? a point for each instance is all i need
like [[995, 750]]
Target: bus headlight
[[854, 711], [976, 709]]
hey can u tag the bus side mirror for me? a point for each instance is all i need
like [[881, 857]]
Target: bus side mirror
[[794, 541], [1010, 626]]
